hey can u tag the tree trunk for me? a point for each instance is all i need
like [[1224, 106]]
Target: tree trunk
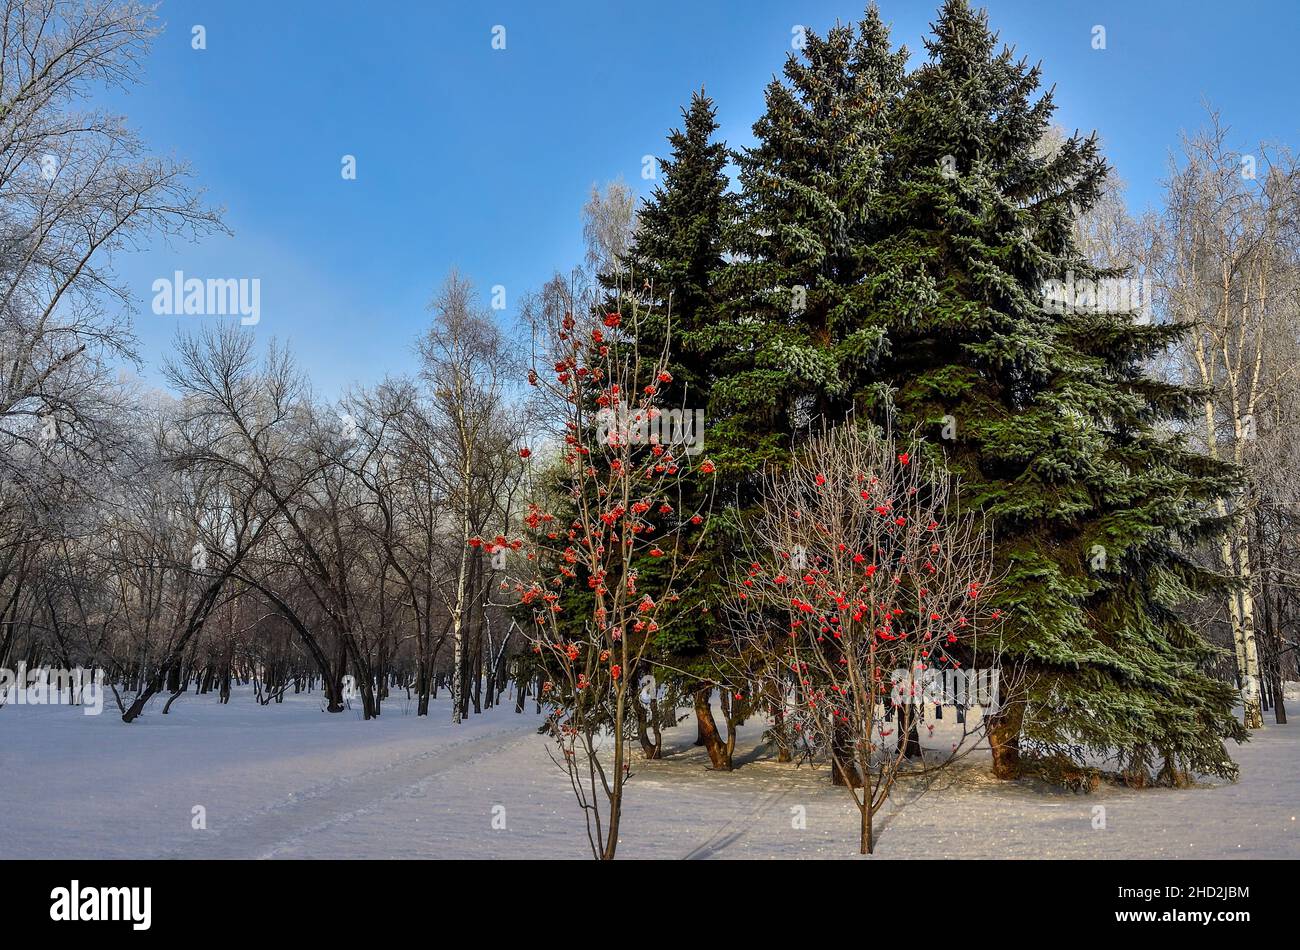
[[1243, 633], [1274, 633], [780, 731], [655, 727], [458, 629], [909, 719], [648, 748], [1004, 739], [422, 689], [709, 737], [843, 773]]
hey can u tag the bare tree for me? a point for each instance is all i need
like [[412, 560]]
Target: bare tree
[[75, 186]]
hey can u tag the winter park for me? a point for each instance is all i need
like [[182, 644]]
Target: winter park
[[613, 431]]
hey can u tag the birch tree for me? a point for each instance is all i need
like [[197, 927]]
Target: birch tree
[[1225, 260], [465, 365]]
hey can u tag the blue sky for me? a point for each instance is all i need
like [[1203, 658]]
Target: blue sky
[[481, 158]]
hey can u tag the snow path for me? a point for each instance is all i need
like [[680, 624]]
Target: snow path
[[289, 781], [290, 826], [736, 827]]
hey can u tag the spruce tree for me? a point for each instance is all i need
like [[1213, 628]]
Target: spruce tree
[[1051, 420], [795, 331], [678, 251]]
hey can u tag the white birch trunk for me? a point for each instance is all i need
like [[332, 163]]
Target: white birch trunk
[[458, 626]]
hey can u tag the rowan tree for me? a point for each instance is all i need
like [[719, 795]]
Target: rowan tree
[[610, 506], [868, 585]]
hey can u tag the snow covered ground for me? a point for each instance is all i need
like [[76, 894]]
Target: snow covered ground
[[288, 781]]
